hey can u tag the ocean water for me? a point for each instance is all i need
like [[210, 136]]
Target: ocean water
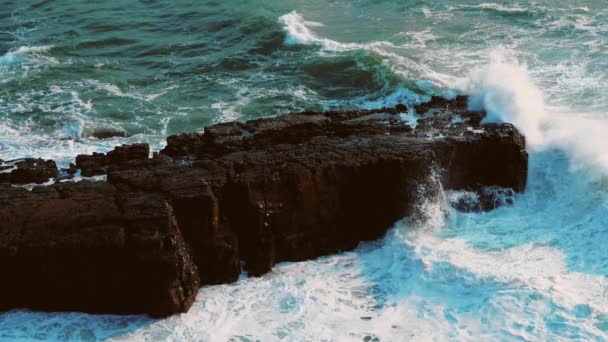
[[532, 271]]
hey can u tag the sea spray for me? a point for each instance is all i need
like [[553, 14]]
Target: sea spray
[[505, 90], [297, 29], [430, 213], [584, 138]]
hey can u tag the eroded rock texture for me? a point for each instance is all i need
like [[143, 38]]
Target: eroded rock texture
[[288, 188]]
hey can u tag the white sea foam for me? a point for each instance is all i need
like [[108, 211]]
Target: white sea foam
[[31, 54], [532, 265], [24, 60], [583, 137], [496, 7], [15, 54], [534, 268], [419, 39], [64, 139], [231, 110], [427, 12], [116, 91], [329, 299], [245, 97], [25, 144]]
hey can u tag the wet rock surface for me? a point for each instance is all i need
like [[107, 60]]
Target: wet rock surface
[[288, 188], [484, 199], [29, 170]]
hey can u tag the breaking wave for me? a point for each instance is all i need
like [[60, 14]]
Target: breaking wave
[[299, 32]]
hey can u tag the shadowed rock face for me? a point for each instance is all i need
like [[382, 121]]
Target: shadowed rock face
[[288, 188], [88, 246]]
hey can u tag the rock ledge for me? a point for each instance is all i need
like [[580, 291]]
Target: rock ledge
[[288, 188]]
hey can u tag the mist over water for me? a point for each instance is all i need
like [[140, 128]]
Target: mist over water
[[534, 270]]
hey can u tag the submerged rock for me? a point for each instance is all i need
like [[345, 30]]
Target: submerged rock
[[105, 133], [288, 188]]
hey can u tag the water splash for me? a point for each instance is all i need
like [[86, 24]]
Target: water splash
[[506, 91], [583, 137]]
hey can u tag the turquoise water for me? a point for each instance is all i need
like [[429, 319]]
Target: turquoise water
[[533, 271]]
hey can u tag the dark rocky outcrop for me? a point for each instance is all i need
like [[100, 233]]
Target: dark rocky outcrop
[[98, 163], [288, 188], [87, 246], [29, 170]]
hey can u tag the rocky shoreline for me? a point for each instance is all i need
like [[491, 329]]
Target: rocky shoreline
[[239, 196]]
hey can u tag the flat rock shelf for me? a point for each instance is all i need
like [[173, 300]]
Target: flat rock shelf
[[141, 234]]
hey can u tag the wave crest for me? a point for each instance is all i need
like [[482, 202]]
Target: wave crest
[[298, 32]]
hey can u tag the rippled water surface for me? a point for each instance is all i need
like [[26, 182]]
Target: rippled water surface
[[532, 271]]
